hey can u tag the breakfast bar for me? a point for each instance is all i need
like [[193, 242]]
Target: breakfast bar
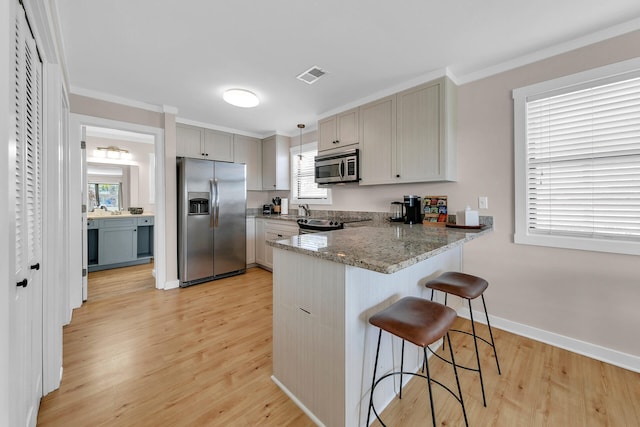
[[325, 288]]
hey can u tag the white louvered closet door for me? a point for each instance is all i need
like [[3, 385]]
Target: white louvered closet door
[[27, 313]]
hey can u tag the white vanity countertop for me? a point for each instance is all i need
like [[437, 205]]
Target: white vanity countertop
[[109, 215]]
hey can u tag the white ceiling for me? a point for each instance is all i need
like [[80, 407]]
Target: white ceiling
[[185, 53]]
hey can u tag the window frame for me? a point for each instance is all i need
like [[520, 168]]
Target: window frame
[[294, 150], [565, 84]]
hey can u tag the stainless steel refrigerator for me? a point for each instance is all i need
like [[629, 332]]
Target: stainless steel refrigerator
[[211, 220]]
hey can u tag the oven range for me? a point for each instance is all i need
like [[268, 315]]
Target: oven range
[[313, 225], [317, 225]]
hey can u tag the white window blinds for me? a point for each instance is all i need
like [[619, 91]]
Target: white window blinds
[[303, 174], [583, 160]]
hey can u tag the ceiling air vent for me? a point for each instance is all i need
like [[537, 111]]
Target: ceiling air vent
[[311, 75]]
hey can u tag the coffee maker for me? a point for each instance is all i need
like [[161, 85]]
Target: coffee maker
[[413, 209]]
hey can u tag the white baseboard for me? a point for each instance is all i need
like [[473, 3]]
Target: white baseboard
[[613, 357], [172, 284], [297, 402]]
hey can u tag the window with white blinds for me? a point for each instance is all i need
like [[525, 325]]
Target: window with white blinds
[[578, 165], [303, 186]]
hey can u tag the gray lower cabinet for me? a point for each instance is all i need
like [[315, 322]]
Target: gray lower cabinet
[[119, 242]]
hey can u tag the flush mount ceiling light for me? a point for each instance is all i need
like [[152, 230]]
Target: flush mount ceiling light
[[241, 98]]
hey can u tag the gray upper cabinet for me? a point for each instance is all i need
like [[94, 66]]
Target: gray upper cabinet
[[425, 142], [248, 150], [339, 131], [218, 145], [378, 141], [409, 136], [275, 163], [200, 143]]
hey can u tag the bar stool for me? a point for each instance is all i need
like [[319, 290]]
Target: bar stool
[[421, 322], [468, 287]]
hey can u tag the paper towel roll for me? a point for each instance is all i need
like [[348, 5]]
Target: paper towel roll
[[467, 217], [284, 206]]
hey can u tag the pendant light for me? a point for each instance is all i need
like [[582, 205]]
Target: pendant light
[[300, 126], [299, 179]]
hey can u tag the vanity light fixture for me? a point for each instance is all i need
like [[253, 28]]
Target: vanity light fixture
[[112, 152], [241, 98]]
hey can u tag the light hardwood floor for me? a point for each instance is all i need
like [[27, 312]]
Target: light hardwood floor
[[201, 356]]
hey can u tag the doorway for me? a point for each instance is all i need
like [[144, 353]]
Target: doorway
[[119, 179], [135, 178]]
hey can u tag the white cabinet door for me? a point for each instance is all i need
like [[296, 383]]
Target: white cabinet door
[[339, 130], [218, 145], [200, 143], [327, 133], [251, 240], [248, 150], [275, 163], [189, 141], [276, 230], [378, 140], [260, 242], [419, 145]]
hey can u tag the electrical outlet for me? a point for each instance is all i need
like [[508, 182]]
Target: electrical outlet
[[483, 202]]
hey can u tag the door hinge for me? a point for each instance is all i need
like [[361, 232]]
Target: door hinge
[[84, 208], [83, 145], [84, 272]]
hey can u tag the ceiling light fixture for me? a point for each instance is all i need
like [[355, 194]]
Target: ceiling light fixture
[[112, 152], [241, 98], [300, 126]]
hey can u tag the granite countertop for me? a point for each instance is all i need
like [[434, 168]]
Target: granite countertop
[[385, 249]]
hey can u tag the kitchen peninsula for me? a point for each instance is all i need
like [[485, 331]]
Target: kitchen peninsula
[[325, 288]]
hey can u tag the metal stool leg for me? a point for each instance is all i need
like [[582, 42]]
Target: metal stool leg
[[455, 371], [493, 344], [475, 343], [373, 381], [433, 410], [401, 368]]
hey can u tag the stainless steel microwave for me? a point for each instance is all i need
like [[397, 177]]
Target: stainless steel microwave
[[337, 167]]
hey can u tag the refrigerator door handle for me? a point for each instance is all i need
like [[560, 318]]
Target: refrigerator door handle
[[215, 183], [212, 211]]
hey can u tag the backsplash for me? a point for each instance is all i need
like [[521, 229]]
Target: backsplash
[[377, 218]]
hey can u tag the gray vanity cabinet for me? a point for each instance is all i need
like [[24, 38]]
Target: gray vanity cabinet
[[119, 242]]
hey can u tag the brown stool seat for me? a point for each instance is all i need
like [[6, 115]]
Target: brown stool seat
[[419, 321], [460, 284]]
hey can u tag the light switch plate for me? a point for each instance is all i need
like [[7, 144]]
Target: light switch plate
[[483, 202]]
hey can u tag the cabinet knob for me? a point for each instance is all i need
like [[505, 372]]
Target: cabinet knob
[[22, 284], [35, 266], [398, 176]]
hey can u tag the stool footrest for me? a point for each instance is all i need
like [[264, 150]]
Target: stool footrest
[[470, 334], [416, 374]]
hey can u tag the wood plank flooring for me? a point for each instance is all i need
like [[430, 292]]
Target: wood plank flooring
[[201, 356]]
